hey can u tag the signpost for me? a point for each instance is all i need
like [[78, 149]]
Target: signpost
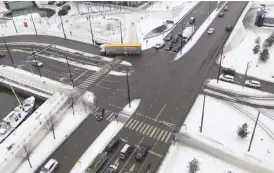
[[116, 116]]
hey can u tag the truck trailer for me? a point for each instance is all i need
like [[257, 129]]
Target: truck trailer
[[121, 49], [187, 33]]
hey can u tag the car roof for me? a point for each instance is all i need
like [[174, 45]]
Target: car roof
[[124, 149], [49, 163], [254, 81]]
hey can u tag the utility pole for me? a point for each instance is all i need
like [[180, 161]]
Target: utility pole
[[128, 92], [202, 120], [63, 27], [70, 75], [209, 9], [220, 65], [33, 54], [9, 53], [247, 67], [72, 102], [251, 140], [14, 25], [33, 22], [121, 32]]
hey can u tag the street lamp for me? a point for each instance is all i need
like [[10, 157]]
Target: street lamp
[[33, 22], [220, 65], [9, 53], [128, 91], [202, 120], [247, 67], [121, 32], [14, 24], [63, 27], [70, 75], [33, 54]]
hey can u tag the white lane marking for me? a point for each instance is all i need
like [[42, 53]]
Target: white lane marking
[[164, 135], [132, 124], [168, 136], [131, 155], [104, 87], [160, 112], [86, 133], [139, 126], [148, 132], [128, 122], [152, 133], [143, 128], [135, 125], [146, 129], [160, 135]]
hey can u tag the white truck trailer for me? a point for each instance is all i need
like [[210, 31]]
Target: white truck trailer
[[187, 33], [121, 49]]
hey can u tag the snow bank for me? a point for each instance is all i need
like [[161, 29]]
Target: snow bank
[[97, 146], [198, 34], [133, 106]]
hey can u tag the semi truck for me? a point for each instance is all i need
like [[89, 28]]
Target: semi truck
[[121, 49], [187, 33]]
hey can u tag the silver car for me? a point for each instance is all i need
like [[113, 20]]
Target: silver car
[[37, 63], [210, 30], [50, 166]]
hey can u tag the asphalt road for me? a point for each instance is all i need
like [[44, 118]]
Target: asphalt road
[[167, 90]]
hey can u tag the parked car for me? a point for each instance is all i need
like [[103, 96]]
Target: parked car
[[100, 113], [210, 30], [112, 144], [192, 20], [227, 78], [142, 152], [62, 12], [169, 37], [111, 169], [60, 3], [159, 45], [50, 166], [175, 39], [168, 46], [125, 152], [175, 49], [37, 63], [221, 14], [229, 71], [253, 84], [228, 28], [226, 8], [2, 55]]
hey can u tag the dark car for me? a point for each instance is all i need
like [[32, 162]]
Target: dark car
[[142, 152], [168, 47], [2, 55], [229, 71], [99, 115], [60, 3], [228, 28], [112, 144], [51, 2], [175, 49], [66, 7], [169, 37], [62, 12], [221, 14], [191, 20], [175, 38]]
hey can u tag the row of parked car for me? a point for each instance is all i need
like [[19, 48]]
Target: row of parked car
[[228, 76]]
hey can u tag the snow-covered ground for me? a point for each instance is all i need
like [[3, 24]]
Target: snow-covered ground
[[102, 140]]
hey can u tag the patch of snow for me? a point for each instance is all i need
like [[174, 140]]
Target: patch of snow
[[193, 40], [89, 98], [97, 146], [179, 156], [129, 110]]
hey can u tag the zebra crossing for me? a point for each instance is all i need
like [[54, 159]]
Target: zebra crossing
[[143, 128]]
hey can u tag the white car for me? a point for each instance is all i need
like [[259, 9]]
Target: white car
[[50, 166], [111, 169], [159, 45], [227, 78], [210, 31], [37, 63], [253, 83]]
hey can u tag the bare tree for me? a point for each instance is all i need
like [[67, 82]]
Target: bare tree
[[25, 153], [51, 124]]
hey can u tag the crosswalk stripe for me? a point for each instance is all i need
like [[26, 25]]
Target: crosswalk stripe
[[144, 132], [157, 132], [160, 135], [164, 135], [148, 132], [139, 126], [168, 136], [109, 116], [128, 122], [135, 125], [152, 133], [84, 85], [132, 124], [143, 128]]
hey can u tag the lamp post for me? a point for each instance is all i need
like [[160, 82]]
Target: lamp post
[[9, 53], [128, 91], [33, 22], [14, 25], [121, 32], [202, 120], [70, 75], [33, 54], [251, 140], [220, 65], [63, 27], [247, 67]]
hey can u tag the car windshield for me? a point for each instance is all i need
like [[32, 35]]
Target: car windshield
[[45, 170]]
